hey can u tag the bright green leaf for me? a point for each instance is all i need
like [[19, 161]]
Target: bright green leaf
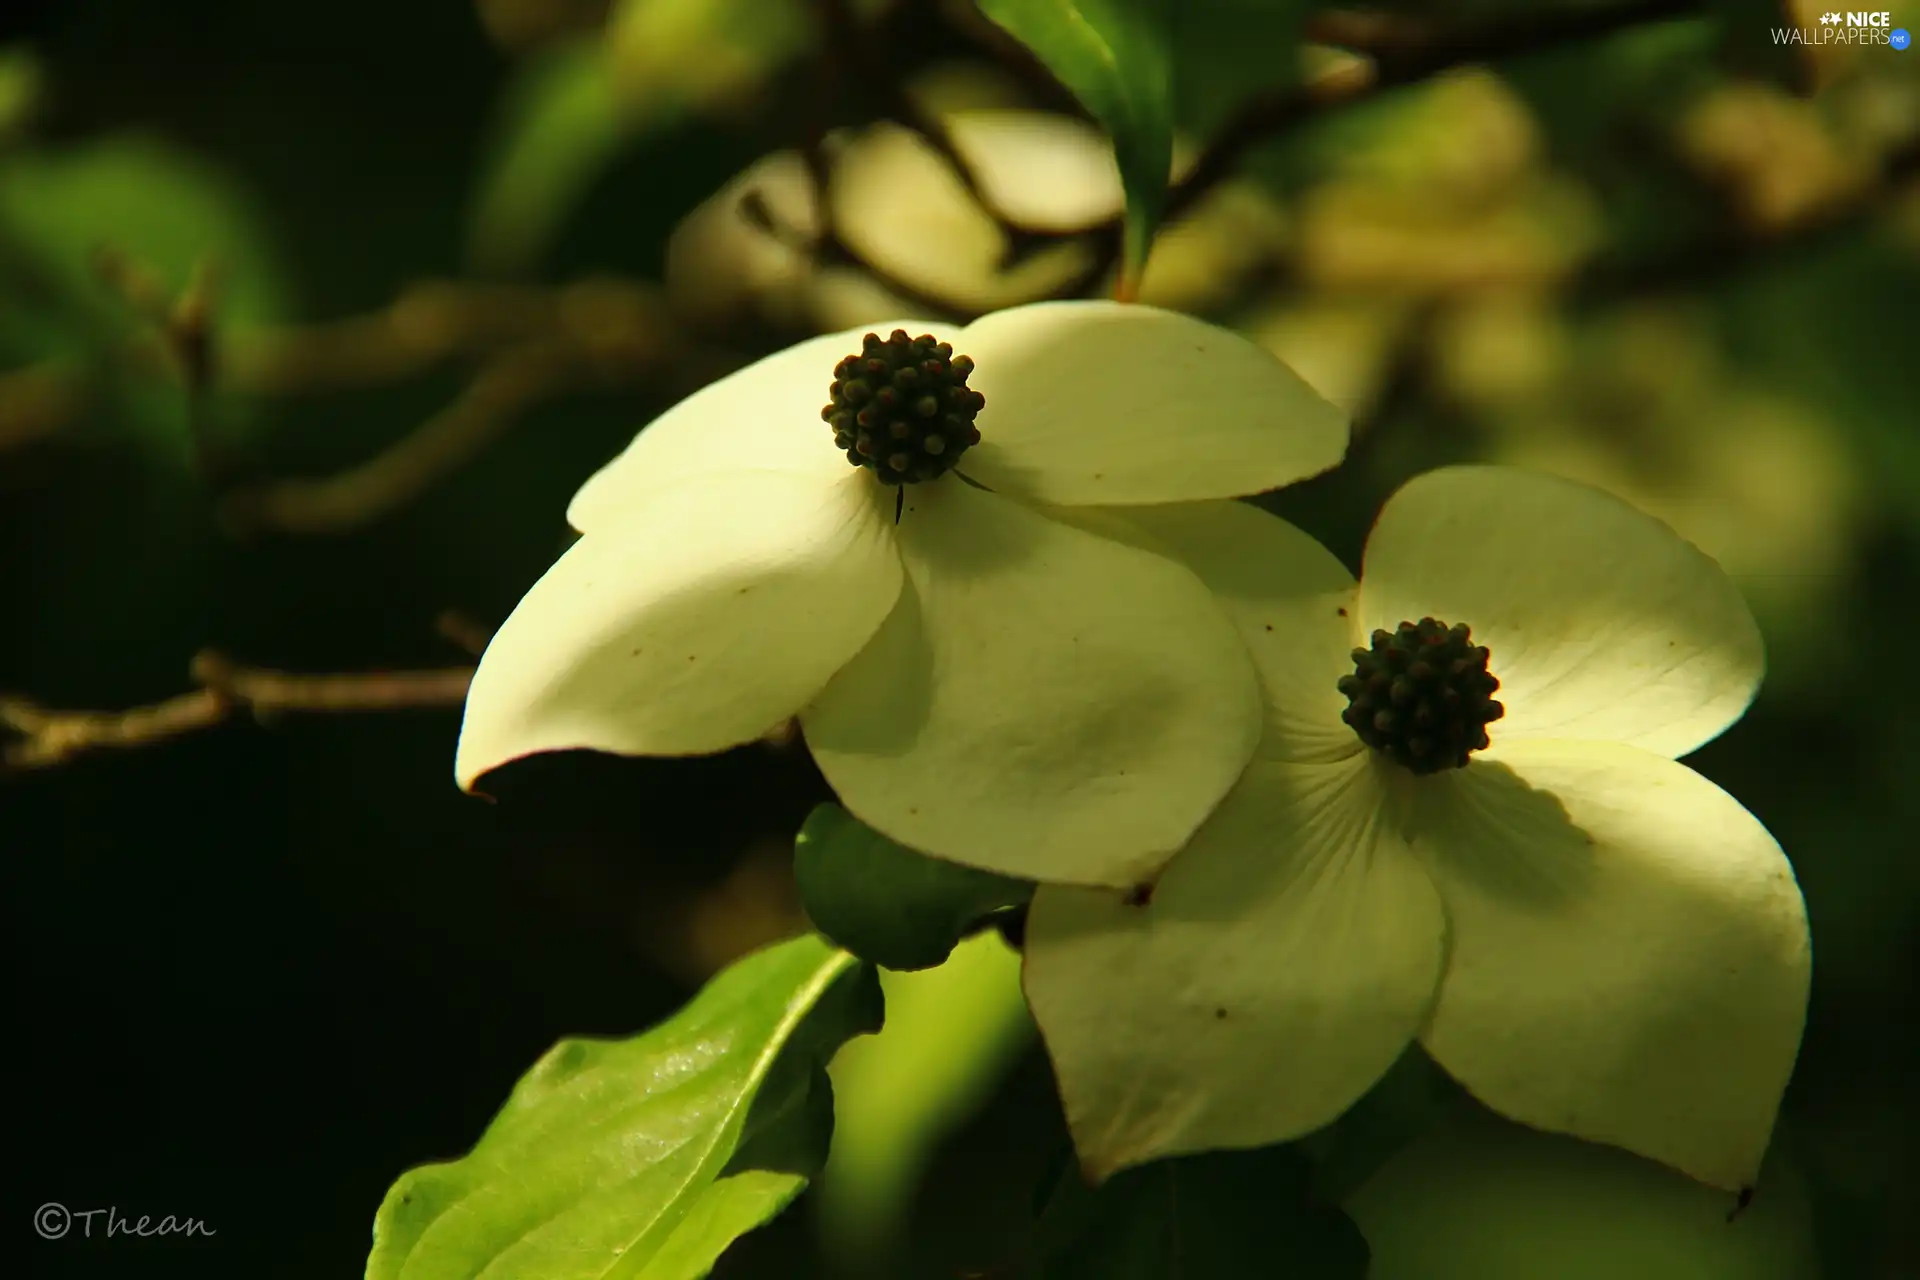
[[883, 901], [1115, 56], [642, 1159], [952, 1034], [1227, 1214]]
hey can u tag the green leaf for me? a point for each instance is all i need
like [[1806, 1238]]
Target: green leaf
[[952, 1035], [1115, 56], [1226, 1215], [883, 901], [642, 1159], [1227, 51], [561, 125], [572, 113]]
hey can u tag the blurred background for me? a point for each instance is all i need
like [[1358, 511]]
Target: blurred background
[[311, 320]]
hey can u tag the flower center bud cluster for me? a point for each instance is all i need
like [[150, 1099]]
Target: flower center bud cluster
[[1422, 695], [902, 407]]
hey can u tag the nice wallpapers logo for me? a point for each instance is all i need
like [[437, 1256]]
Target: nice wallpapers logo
[[1847, 28]]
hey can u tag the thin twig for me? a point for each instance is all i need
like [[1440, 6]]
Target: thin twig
[[45, 737], [827, 246], [429, 323], [543, 345], [621, 330], [490, 404], [854, 62], [463, 632], [864, 64], [831, 248]]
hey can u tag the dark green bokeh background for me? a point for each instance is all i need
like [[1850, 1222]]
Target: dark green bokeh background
[[259, 972]]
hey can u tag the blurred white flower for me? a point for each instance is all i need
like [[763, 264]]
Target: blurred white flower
[[898, 204], [1445, 191], [1343, 345]]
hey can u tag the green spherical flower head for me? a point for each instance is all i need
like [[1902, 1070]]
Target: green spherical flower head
[[1422, 695], [902, 407]]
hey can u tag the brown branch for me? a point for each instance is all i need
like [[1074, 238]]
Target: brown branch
[[45, 738], [530, 344], [496, 398], [826, 245], [463, 632], [540, 345], [427, 324]]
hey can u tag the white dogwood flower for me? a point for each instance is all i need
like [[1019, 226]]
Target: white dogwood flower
[[976, 677], [1589, 936]]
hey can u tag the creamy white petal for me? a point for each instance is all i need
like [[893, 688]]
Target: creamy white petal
[[765, 417], [1044, 702], [1602, 622], [1293, 602], [1629, 957], [708, 614], [1103, 402], [1280, 965]]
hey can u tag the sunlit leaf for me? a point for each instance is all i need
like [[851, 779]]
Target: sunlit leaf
[[883, 901], [1115, 56], [644, 1158], [952, 1034]]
